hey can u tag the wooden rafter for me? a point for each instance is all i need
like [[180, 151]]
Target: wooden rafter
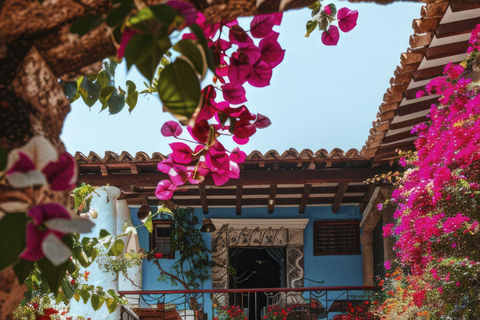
[[456, 28], [408, 123], [330, 175], [238, 203], [416, 107], [203, 198], [339, 195], [446, 50], [399, 136], [306, 193], [272, 198]]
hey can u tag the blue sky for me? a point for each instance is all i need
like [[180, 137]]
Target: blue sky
[[319, 97]]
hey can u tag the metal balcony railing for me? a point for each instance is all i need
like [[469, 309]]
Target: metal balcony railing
[[310, 303]]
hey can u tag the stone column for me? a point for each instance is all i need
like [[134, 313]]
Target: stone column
[[105, 202], [367, 252]]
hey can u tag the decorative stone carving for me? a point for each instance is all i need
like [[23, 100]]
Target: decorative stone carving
[[286, 233]]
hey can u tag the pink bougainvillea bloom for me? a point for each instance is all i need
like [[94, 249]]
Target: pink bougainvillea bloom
[[239, 69], [165, 189], [176, 172], [61, 174], [237, 155], [387, 264], [181, 153], [347, 19], [379, 206], [200, 131], [272, 52], [171, 128], [328, 10], [187, 10], [262, 121], [22, 165], [440, 289], [126, 37], [331, 36], [36, 232], [233, 93], [420, 93], [458, 284], [238, 36], [261, 75], [233, 170], [196, 174], [262, 24], [217, 161]]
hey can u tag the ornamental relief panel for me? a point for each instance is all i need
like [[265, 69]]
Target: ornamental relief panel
[[280, 234]]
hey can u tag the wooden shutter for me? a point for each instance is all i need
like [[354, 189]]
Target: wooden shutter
[[336, 237]]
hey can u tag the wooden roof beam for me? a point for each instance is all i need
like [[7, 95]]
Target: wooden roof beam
[[446, 50], [203, 198], [408, 123], [238, 204], [416, 107], [337, 201], [305, 195], [456, 28], [272, 198]]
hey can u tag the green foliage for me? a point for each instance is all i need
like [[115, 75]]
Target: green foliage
[[12, 231], [117, 248], [82, 197], [193, 264], [311, 25], [113, 265]]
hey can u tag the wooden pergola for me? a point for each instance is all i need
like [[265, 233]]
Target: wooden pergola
[[322, 178]]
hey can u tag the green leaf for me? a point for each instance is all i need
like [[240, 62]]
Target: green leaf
[[71, 90], [140, 20], [118, 14], [97, 301], [116, 102], [132, 95], [179, 89], [314, 5], [85, 296], [112, 293], [195, 28], [12, 232], [83, 25], [104, 79], [88, 245], [67, 288], [117, 248], [89, 91], [51, 274], [194, 54], [138, 49], [81, 257], [111, 305], [167, 15], [333, 8], [105, 94], [76, 296], [311, 25], [105, 238], [22, 269], [148, 224]]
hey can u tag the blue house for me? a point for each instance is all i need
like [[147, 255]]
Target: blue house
[[289, 227]]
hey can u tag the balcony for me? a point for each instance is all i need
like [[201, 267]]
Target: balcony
[[304, 303]]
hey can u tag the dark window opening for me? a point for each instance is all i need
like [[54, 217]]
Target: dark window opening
[[336, 238], [160, 238]]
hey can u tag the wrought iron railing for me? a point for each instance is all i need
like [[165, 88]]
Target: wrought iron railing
[[304, 303]]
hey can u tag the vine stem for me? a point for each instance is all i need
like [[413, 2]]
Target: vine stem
[[170, 275]]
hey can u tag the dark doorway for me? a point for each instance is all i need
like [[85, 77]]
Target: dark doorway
[[256, 268]]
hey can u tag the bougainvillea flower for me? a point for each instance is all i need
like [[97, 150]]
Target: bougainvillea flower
[[37, 163], [200, 131], [171, 128], [327, 10], [262, 121], [347, 19], [209, 29], [261, 25], [238, 36], [261, 75], [176, 172], [331, 36], [217, 161], [272, 52], [251, 51], [233, 170], [239, 69], [126, 37], [181, 153], [187, 10], [165, 189], [61, 174], [196, 174], [244, 129], [234, 93], [237, 155], [43, 235]]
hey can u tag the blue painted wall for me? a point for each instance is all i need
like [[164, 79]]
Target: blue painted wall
[[334, 270]]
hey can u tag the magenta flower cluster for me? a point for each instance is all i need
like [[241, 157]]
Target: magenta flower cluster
[[245, 57]]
